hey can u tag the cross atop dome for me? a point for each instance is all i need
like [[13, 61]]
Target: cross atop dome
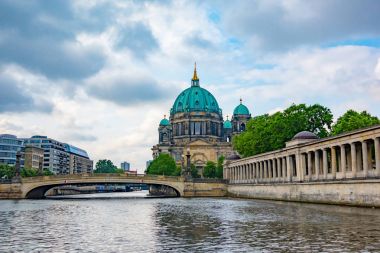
[[195, 79]]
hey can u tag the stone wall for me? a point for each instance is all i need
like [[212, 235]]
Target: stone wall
[[10, 191], [364, 193], [205, 188]]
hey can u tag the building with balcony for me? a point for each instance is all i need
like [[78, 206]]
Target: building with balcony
[[79, 160]]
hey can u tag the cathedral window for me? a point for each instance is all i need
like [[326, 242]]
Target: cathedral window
[[197, 128], [179, 129]]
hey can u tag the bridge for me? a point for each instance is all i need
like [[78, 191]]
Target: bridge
[[36, 187]]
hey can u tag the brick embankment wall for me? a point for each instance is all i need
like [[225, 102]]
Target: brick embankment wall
[[10, 191]]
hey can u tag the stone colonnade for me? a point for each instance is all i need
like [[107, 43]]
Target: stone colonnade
[[355, 155]]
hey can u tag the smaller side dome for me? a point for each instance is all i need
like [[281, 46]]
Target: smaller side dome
[[164, 121], [241, 109], [305, 135], [233, 157], [227, 124]]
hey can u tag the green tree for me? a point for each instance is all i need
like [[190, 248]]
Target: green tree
[[209, 170], [219, 167], [105, 166], [47, 173], [29, 172], [353, 120], [194, 171], [7, 171], [164, 164], [270, 132]]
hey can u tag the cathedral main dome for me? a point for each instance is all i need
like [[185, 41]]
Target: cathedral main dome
[[195, 99]]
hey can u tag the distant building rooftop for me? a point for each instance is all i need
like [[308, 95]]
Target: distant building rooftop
[[77, 151]]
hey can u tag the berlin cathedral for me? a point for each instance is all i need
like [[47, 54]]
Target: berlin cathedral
[[196, 125]]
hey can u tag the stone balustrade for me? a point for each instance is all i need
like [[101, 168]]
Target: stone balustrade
[[353, 155]]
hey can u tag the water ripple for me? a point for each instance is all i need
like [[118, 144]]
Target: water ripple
[[185, 225]]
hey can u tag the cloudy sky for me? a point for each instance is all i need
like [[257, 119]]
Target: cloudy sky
[[101, 74]]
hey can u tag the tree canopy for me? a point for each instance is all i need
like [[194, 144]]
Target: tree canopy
[[6, 171], [106, 166], [209, 170], [214, 170], [164, 164], [352, 120], [270, 132]]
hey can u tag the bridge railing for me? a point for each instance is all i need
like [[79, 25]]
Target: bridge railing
[[102, 175]]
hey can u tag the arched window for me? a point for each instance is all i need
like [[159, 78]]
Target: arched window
[[242, 127]]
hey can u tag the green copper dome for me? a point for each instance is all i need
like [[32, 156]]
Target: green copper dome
[[241, 109], [164, 122], [195, 98], [227, 124]]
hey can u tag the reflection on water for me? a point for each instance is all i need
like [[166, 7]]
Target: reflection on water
[[184, 225]]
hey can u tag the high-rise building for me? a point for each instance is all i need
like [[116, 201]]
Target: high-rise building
[[126, 166], [79, 161], [9, 146]]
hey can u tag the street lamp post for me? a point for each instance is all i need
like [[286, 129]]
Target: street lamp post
[[188, 164]]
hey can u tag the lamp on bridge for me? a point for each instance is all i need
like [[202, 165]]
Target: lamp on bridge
[[18, 166], [188, 164]]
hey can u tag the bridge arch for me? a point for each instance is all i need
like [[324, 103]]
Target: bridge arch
[[36, 188]]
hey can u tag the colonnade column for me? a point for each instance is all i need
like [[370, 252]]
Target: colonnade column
[[270, 170], [343, 160], [317, 165], [259, 170], [309, 165], [333, 162], [365, 158], [253, 171], [377, 155], [265, 170], [325, 164], [283, 165], [353, 159], [279, 167], [289, 175]]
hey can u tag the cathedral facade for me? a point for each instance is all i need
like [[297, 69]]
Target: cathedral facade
[[196, 125]]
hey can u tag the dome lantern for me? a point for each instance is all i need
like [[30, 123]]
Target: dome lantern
[[195, 79]]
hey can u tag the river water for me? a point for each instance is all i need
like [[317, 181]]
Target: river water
[[123, 222]]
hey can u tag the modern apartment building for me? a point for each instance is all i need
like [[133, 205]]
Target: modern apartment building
[[9, 146], [61, 158], [56, 159], [79, 160]]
